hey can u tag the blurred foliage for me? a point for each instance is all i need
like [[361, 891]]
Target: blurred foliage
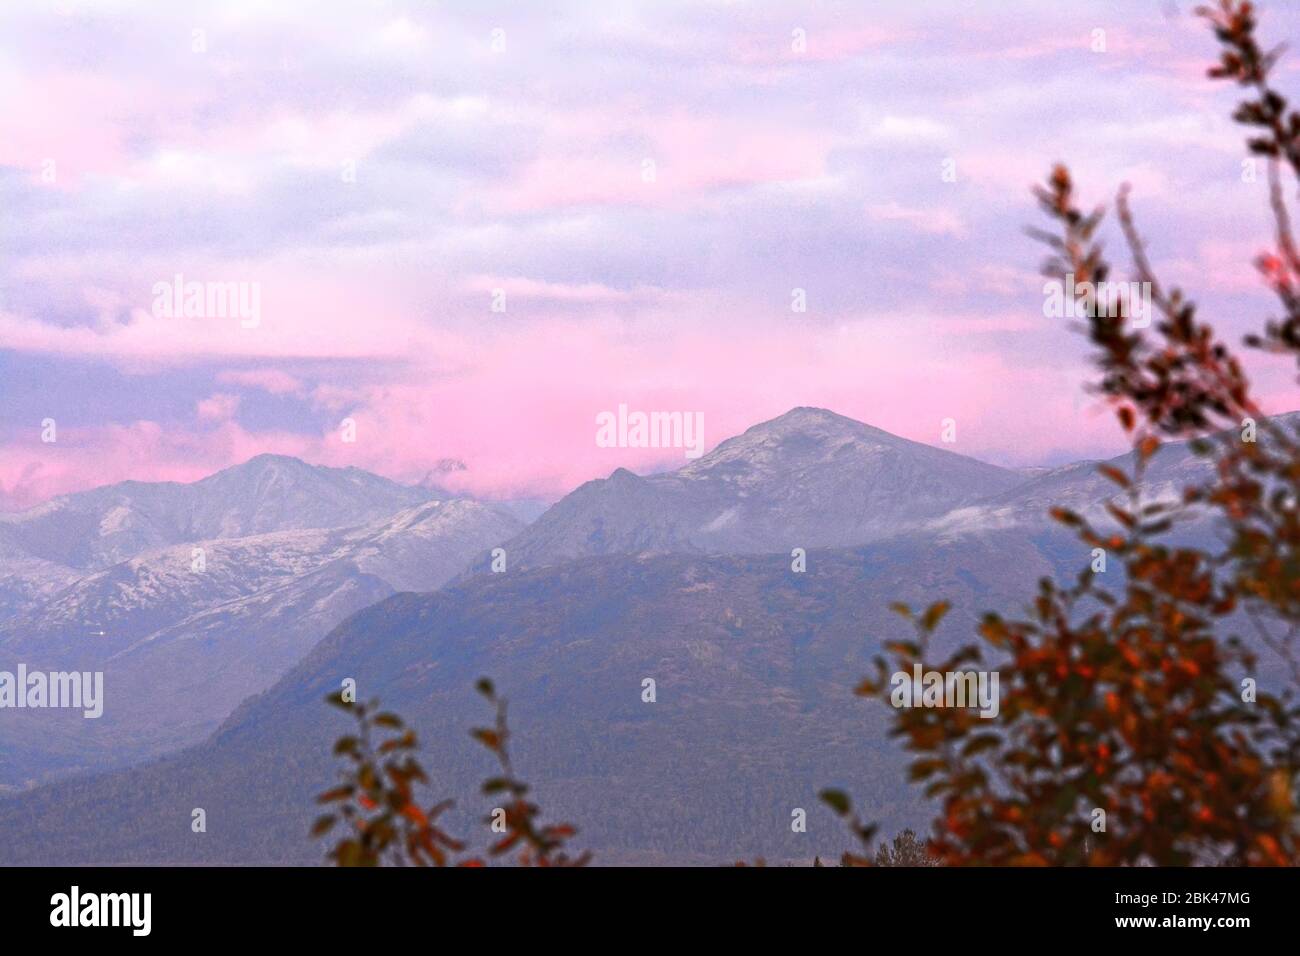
[[383, 821], [375, 801], [536, 843], [1128, 700]]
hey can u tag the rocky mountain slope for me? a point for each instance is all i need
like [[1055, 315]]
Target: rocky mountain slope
[[753, 660], [91, 530], [754, 667], [808, 479], [185, 631]]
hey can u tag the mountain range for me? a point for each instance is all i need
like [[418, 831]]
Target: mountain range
[[192, 597], [754, 668], [810, 478], [685, 577]]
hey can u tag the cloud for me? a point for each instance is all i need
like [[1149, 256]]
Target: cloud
[[271, 380], [217, 408], [910, 129], [380, 171], [937, 222]]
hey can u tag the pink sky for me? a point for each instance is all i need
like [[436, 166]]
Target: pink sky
[[648, 184]]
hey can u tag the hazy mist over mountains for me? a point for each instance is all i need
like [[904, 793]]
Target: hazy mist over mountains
[[194, 596], [684, 576]]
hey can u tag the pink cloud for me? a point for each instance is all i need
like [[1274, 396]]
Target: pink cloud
[[523, 415], [561, 292], [521, 411], [46, 119], [689, 156], [302, 315], [821, 44], [1220, 265], [218, 407], [936, 222], [271, 380], [373, 301], [86, 457]]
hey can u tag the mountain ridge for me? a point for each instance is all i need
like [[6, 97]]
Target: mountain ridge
[[808, 478], [221, 617]]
